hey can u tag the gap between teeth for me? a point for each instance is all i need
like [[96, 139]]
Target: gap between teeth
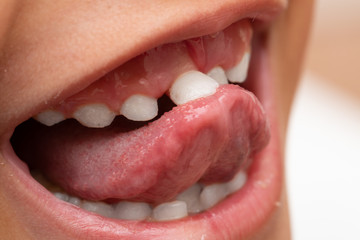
[[193, 200], [187, 87]]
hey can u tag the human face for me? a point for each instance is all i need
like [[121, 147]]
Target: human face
[[53, 50]]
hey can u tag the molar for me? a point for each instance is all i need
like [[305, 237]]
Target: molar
[[139, 108], [238, 73], [190, 86], [94, 115], [49, 117]]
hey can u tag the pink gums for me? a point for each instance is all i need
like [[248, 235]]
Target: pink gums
[[153, 72]]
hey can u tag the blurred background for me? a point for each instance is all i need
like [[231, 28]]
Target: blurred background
[[323, 147]]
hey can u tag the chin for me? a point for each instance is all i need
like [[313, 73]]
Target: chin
[[171, 130]]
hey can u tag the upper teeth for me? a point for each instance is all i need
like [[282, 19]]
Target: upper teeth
[[238, 73], [218, 74], [187, 87], [140, 108], [94, 115], [50, 117], [192, 85]]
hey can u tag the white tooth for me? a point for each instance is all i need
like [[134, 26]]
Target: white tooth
[[100, 208], [94, 115], [74, 200], [218, 74], [238, 73], [192, 198], [212, 194], [190, 86], [62, 196], [140, 108], [132, 210], [170, 211], [237, 182], [50, 117]]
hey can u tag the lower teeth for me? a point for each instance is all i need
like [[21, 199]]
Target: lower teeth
[[193, 200]]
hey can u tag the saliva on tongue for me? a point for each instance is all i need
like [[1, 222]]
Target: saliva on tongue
[[205, 140]]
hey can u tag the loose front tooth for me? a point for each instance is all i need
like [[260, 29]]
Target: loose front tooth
[[238, 73], [170, 211], [139, 108], [237, 182], [94, 115], [218, 74], [192, 198], [100, 208], [50, 117], [132, 210], [190, 86], [212, 194]]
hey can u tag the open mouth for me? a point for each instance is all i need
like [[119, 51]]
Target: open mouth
[[179, 139]]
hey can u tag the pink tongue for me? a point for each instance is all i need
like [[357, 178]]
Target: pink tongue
[[208, 140]]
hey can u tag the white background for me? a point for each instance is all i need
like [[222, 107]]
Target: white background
[[323, 149], [323, 167]]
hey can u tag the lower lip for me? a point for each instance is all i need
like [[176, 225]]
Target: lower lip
[[239, 216]]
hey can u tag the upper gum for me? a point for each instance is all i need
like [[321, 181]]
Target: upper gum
[[109, 94], [150, 83]]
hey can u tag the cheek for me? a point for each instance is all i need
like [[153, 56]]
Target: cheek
[[287, 42], [7, 13]]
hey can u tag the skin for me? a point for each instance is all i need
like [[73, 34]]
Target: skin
[[37, 70]]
